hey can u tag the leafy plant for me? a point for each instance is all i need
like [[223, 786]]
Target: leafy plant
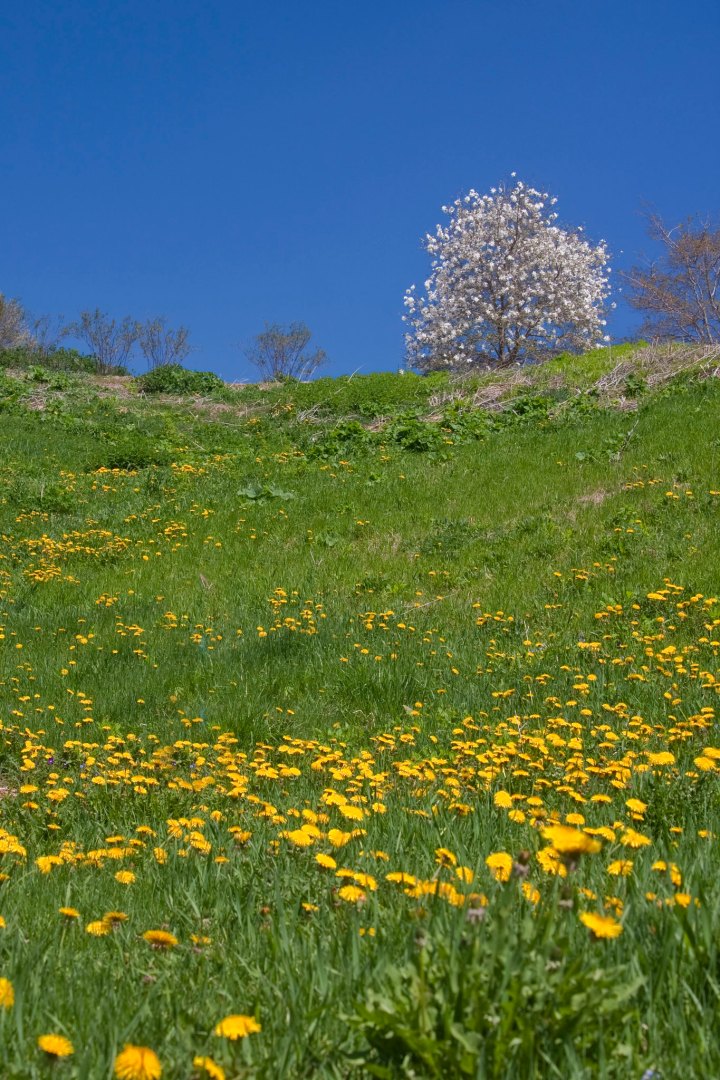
[[502, 998], [174, 379]]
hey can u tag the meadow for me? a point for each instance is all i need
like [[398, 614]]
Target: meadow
[[361, 728]]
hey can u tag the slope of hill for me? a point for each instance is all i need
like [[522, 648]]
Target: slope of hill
[[378, 710]]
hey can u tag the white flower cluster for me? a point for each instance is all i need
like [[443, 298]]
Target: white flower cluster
[[508, 284]]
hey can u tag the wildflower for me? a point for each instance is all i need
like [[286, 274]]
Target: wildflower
[[326, 861], [98, 928], [125, 877], [503, 800], [7, 994], [237, 1027], [601, 926], [620, 868], [211, 1068], [114, 918], [137, 1063], [530, 892], [500, 865], [298, 837], [338, 838], [69, 912], [550, 862], [633, 839], [570, 842], [56, 1046], [397, 876], [664, 757], [443, 857], [160, 939], [352, 894]]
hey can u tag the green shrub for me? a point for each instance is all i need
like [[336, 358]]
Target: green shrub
[[131, 452], [173, 379], [69, 360]]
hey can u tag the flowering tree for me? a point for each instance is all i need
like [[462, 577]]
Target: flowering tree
[[508, 284]]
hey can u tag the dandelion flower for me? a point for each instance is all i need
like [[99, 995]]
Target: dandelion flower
[[114, 917], [352, 894], [69, 912], [7, 994], [98, 928], [601, 926], [500, 865], [631, 838], [569, 841], [160, 939], [125, 877], [237, 1027], [443, 857], [209, 1067], [56, 1046], [137, 1063], [326, 861], [620, 868]]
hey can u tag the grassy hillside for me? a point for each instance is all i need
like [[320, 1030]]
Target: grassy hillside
[[307, 677]]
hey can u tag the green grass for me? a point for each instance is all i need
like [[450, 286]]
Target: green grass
[[187, 587]]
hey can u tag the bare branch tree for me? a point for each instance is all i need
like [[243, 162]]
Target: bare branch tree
[[281, 352], [110, 341], [47, 332], [14, 331], [160, 345], [679, 293]]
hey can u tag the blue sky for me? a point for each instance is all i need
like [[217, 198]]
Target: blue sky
[[230, 163]]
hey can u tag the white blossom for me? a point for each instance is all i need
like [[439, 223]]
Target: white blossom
[[507, 284]]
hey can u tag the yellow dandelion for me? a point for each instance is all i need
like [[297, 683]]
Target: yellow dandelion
[[209, 1067], [237, 1027], [326, 861], [530, 892], [601, 926], [56, 1046], [125, 877], [160, 939], [114, 917], [633, 839], [569, 841], [7, 994], [500, 865], [620, 868], [664, 757], [503, 800], [443, 857], [338, 838], [98, 928], [550, 862], [298, 837], [137, 1063], [352, 894], [69, 912], [399, 878]]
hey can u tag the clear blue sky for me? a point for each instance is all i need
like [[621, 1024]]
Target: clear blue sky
[[226, 163]]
